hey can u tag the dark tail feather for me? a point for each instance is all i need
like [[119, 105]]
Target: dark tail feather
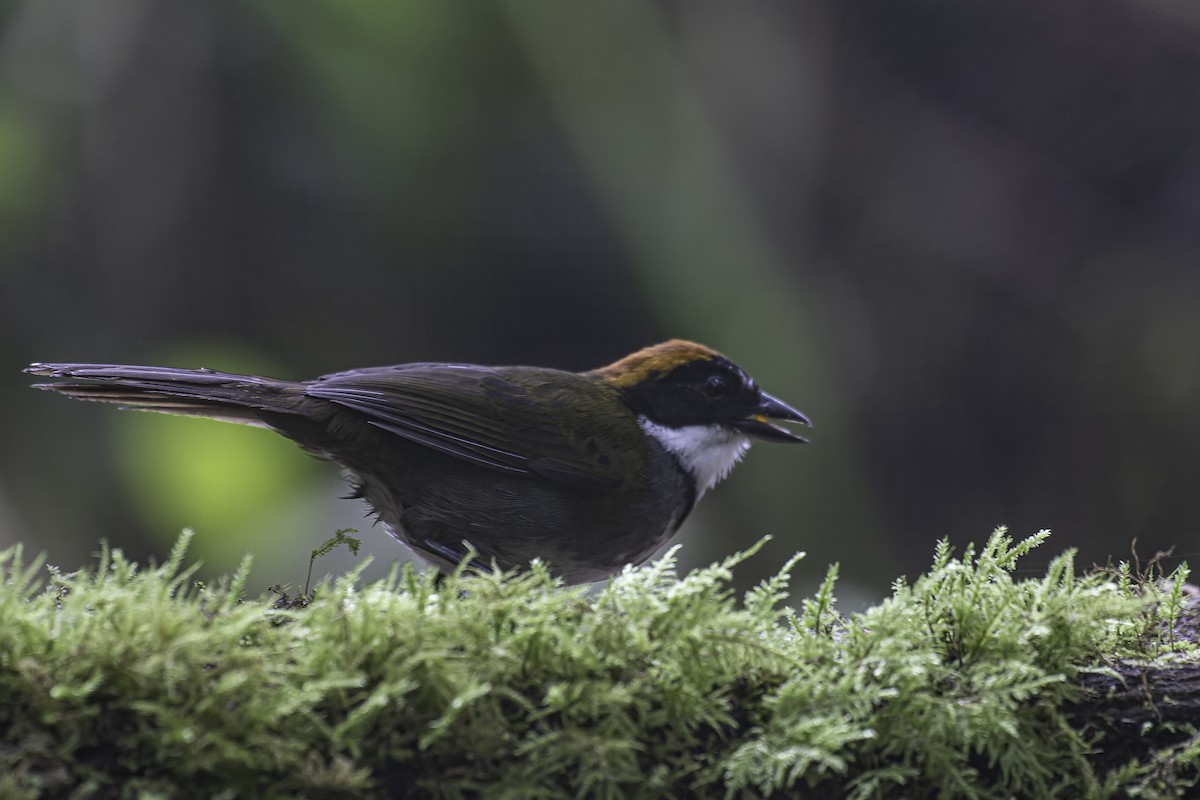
[[190, 392]]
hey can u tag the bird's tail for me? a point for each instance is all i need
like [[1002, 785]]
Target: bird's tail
[[189, 392]]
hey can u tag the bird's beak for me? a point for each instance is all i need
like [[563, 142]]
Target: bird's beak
[[759, 426]]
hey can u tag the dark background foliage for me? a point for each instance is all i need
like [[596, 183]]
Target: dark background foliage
[[962, 236]]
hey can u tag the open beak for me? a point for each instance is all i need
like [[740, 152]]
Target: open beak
[[759, 425]]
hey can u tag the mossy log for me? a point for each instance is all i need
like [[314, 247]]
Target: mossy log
[[124, 681]]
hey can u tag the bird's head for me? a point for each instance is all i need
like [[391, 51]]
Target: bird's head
[[702, 408]]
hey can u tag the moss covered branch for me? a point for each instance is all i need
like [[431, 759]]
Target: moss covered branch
[[121, 681]]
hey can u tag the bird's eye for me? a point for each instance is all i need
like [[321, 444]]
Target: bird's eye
[[716, 387]]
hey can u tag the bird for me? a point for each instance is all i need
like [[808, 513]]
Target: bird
[[496, 466]]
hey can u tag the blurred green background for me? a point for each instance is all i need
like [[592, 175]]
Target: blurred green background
[[963, 237]]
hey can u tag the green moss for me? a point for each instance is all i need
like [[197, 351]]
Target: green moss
[[122, 681]]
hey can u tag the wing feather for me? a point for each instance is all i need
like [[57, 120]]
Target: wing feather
[[483, 416]]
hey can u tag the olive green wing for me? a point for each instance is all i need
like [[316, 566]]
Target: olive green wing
[[530, 422]]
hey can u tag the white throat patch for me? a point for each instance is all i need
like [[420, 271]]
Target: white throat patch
[[708, 452]]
